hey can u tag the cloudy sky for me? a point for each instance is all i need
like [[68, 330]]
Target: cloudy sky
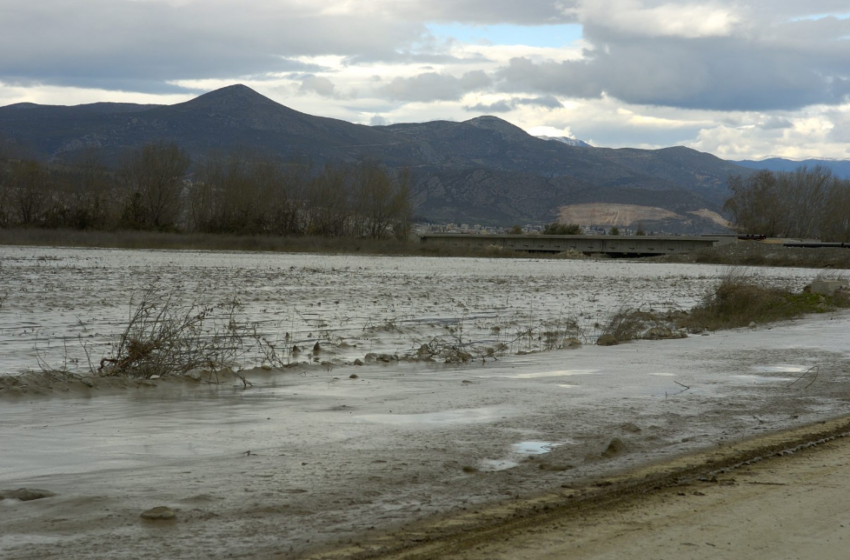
[[737, 78]]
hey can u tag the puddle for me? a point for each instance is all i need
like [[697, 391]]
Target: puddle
[[663, 374], [566, 386], [781, 369], [493, 465], [758, 379], [464, 416], [534, 447], [560, 373], [519, 450]]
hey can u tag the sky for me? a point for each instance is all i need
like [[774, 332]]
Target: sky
[[736, 78]]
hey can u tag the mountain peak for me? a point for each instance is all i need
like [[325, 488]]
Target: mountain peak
[[489, 122], [229, 97]]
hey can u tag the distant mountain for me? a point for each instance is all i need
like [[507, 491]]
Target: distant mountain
[[840, 168], [483, 170], [234, 117], [574, 142]]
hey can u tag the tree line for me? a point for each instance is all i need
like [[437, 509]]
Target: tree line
[[158, 187], [807, 203]]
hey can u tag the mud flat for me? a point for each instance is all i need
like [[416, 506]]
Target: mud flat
[[780, 496], [312, 458]]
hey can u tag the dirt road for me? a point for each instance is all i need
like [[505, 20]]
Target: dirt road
[[791, 505], [787, 508]]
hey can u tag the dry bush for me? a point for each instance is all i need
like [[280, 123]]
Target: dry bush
[[447, 348], [629, 324], [163, 337]]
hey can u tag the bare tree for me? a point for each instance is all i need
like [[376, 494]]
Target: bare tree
[[803, 195], [5, 187], [328, 203], [381, 202], [808, 203], [86, 198], [29, 192], [288, 199], [836, 218], [153, 180], [755, 204]]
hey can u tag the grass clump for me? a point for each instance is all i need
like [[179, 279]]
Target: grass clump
[[633, 324], [628, 324], [739, 301]]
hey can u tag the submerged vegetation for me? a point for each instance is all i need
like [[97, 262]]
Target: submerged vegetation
[[164, 337], [739, 300]]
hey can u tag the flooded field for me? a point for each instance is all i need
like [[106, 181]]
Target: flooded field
[[319, 455], [64, 307]]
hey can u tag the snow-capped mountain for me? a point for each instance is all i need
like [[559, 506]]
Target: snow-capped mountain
[[568, 141]]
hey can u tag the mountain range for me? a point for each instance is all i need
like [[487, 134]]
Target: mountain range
[[484, 170]]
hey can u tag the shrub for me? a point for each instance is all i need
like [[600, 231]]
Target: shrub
[[561, 229], [739, 301], [163, 338]]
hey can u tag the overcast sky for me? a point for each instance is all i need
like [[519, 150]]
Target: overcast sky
[[737, 78]]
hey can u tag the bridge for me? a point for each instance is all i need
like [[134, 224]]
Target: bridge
[[612, 245]]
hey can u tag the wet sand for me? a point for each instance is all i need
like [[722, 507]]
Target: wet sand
[[785, 506]]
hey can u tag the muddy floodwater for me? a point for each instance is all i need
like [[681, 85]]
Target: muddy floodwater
[[310, 456], [62, 304]]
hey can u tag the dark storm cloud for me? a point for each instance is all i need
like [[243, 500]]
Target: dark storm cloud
[[140, 44], [483, 12], [759, 55], [773, 69], [117, 43]]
